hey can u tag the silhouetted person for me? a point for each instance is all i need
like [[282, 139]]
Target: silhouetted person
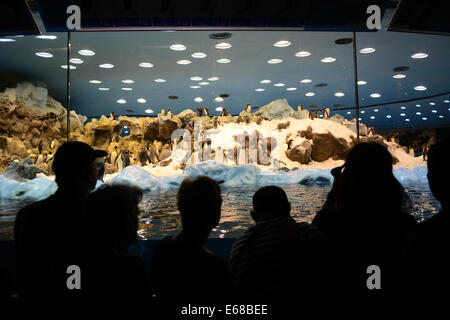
[[278, 259], [112, 224], [363, 218], [431, 276], [183, 269], [49, 233]]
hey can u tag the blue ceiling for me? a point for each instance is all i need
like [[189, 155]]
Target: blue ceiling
[[249, 54]]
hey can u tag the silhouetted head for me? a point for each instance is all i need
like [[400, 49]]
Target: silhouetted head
[[270, 202], [367, 182], [113, 215], [439, 171], [199, 201], [75, 167]]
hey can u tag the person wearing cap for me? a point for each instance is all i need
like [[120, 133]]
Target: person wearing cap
[[49, 234]]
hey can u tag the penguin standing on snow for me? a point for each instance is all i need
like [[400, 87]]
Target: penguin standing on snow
[[169, 113]]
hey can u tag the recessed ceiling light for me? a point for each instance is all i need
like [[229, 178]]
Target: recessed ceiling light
[[141, 100], [339, 94], [213, 78], [441, 116], [402, 107], [343, 41], [184, 62], [223, 45], [76, 61], [103, 89], [198, 99], [388, 116], [86, 52], [265, 81], [407, 120], [127, 89], [279, 84], [47, 37], [146, 64], [447, 101], [434, 111], [306, 81], [372, 117], [375, 110], [291, 89], [259, 89], [349, 112], [418, 113], [223, 60], [128, 81], [44, 54], [419, 55], [121, 101], [195, 87], [418, 105], [432, 103], [198, 55], [359, 119], [95, 81], [274, 61], [148, 111], [218, 99], [367, 50], [402, 114], [106, 66], [219, 109], [310, 94], [282, 43], [424, 118], [303, 54], [203, 83], [399, 76], [420, 88], [375, 95], [160, 80], [64, 66], [178, 47], [196, 78], [7, 40], [328, 59], [361, 82], [362, 111]]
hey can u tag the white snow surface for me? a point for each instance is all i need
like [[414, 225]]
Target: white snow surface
[[231, 176]]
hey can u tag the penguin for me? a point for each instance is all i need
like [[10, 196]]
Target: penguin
[[299, 108], [112, 116], [163, 112], [52, 144], [248, 108], [224, 112], [200, 112], [326, 113], [40, 146], [39, 159], [114, 155], [206, 112], [169, 113]]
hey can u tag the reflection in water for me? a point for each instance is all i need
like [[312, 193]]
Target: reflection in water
[[161, 216]]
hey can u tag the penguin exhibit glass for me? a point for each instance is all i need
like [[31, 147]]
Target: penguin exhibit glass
[[247, 108]]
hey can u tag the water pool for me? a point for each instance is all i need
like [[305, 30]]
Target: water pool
[[161, 217]]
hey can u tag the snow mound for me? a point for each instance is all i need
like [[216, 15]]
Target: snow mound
[[235, 176]]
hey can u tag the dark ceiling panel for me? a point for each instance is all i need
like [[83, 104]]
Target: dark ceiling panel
[[16, 19], [431, 16], [345, 15]]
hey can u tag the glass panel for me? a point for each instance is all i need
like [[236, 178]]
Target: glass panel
[[33, 119]]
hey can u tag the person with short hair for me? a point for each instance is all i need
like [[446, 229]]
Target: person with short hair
[[49, 234], [183, 269], [112, 224], [277, 259]]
